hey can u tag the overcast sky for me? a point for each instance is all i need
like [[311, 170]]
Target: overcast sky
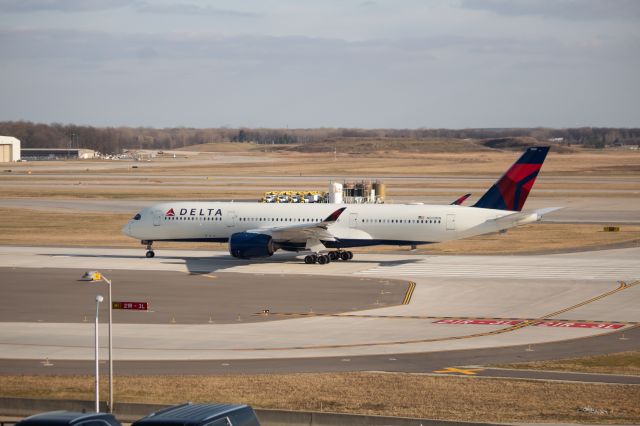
[[321, 63]]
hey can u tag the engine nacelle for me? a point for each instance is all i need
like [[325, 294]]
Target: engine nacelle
[[246, 245]]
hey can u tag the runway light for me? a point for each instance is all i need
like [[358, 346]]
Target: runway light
[[91, 276]]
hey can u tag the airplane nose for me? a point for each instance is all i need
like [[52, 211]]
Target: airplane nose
[[127, 229]]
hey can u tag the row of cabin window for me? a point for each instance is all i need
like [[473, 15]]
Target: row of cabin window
[[266, 219], [192, 218], [400, 221], [262, 219]]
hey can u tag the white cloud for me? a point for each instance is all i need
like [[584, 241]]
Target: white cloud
[[562, 9], [30, 6], [191, 9], [306, 64]]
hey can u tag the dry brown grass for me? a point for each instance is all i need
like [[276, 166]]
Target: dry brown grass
[[541, 237], [358, 145], [467, 399], [221, 147], [20, 226], [264, 162], [626, 363], [159, 192]]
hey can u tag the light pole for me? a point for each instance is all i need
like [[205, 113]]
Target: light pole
[[95, 276], [99, 299]]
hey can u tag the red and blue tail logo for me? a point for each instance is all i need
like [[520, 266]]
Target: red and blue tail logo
[[512, 190]]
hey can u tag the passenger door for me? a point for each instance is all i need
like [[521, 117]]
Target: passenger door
[[451, 222], [157, 217], [353, 220], [231, 221]]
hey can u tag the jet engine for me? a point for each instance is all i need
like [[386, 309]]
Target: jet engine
[[247, 245]]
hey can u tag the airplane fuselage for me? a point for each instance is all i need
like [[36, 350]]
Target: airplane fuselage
[[359, 225]]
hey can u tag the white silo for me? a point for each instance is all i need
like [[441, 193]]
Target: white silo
[[335, 193]]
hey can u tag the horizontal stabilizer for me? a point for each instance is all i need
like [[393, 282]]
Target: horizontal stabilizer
[[522, 218]]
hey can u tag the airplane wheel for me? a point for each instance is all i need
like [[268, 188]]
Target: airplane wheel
[[150, 253], [334, 255], [327, 258], [322, 260], [350, 253], [344, 256], [309, 260]]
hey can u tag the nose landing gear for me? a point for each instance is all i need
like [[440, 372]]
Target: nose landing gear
[[150, 253]]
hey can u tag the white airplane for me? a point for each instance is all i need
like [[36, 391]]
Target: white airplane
[[257, 230]]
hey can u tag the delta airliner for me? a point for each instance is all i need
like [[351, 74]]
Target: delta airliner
[[257, 230]]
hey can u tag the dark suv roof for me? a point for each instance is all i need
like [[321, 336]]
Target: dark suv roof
[[55, 418], [189, 414]]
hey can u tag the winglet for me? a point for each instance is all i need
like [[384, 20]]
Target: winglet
[[461, 200], [335, 215]]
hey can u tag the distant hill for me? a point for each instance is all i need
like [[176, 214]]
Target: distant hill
[[116, 139], [364, 145], [520, 143]]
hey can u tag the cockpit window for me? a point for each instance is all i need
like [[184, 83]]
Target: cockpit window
[[137, 217]]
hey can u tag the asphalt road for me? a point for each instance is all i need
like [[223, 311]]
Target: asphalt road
[[430, 363], [58, 295]]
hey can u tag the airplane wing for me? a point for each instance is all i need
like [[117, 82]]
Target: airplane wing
[[309, 233]]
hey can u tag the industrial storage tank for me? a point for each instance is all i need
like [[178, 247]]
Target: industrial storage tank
[[380, 190], [335, 193], [348, 189]]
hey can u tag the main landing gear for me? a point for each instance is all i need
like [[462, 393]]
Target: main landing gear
[[150, 252], [323, 259]]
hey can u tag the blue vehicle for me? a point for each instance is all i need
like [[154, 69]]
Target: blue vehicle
[[69, 418], [201, 415]]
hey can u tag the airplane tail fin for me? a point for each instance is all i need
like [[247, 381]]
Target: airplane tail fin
[[511, 190]]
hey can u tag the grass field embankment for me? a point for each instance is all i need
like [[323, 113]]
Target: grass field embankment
[[625, 363], [451, 398]]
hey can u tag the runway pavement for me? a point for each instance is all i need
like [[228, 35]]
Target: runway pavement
[[58, 296], [491, 303], [450, 363]]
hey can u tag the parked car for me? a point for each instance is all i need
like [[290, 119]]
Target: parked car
[[201, 415], [69, 418]]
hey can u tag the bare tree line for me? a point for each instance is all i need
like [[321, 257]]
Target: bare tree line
[[117, 139]]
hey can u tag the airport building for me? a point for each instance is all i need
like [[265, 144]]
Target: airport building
[[9, 149], [35, 154]]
